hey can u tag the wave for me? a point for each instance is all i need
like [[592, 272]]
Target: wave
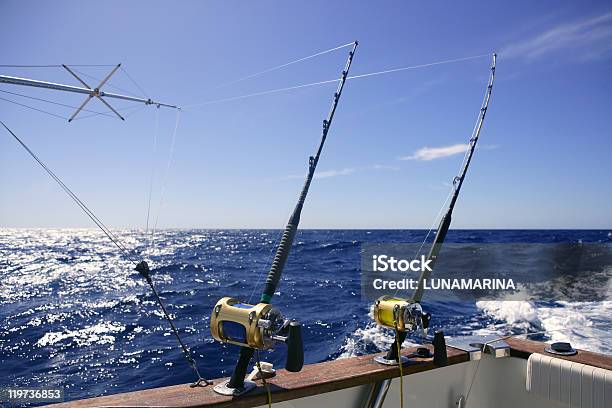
[[101, 333], [584, 324]]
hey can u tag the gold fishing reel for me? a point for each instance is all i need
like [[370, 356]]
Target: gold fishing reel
[[400, 315], [257, 327], [403, 317], [254, 326]]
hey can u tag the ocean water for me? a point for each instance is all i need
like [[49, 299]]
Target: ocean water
[[74, 314]]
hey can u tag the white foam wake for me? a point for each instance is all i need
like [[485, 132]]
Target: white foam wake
[[371, 335], [362, 340], [584, 324]]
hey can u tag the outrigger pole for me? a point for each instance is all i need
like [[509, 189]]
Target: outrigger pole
[[86, 90], [284, 247]]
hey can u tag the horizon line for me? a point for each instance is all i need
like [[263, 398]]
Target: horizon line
[[325, 229]]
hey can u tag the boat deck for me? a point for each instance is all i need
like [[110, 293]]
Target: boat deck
[[314, 379]]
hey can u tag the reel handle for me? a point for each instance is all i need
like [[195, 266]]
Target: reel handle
[[295, 347]]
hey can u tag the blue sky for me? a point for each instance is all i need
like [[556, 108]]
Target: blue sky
[[544, 160]]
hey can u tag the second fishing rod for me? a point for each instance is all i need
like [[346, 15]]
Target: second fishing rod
[[260, 326]]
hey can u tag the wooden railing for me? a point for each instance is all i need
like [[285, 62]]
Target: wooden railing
[[314, 379]]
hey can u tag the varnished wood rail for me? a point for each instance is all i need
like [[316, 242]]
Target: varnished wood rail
[[314, 379]]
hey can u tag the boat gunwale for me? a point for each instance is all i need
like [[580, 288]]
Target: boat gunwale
[[314, 379]]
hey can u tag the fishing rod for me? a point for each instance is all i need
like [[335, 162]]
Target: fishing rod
[[406, 315], [457, 183], [257, 327]]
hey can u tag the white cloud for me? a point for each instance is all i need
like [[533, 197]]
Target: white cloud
[[383, 167], [431, 153], [335, 173], [586, 38], [347, 171]]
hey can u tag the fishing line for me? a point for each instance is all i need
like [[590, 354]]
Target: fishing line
[[165, 178], [265, 265], [114, 239], [260, 275], [271, 91], [430, 64], [33, 108], [401, 369], [53, 102], [153, 153], [135, 108], [233, 98], [263, 378], [186, 351], [436, 218], [431, 228], [283, 65], [91, 65], [29, 66], [142, 266], [134, 82], [56, 66]]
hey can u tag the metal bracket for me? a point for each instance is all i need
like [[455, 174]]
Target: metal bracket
[[94, 92], [569, 352], [390, 362], [224, 389], [476, 345]]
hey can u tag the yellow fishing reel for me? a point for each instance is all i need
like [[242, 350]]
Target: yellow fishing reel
[[258, 327], [400, 315], [245, 325], [403, 317]]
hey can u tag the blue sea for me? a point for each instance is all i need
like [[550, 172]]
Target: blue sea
[[74, 314]]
